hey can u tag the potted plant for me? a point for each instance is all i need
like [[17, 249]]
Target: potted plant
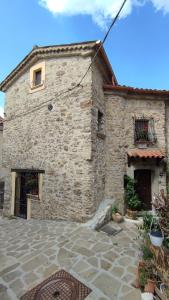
[[156, 234], [132, 200], [151, 280], [147, 220], [116, 216], [143, 276], [147, 254], [147, 279]]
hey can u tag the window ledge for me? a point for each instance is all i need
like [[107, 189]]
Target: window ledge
[[101, 135], [144, 142], [35, 88]]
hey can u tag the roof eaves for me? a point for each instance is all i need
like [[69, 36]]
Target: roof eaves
[[45, 50], [131, 90]]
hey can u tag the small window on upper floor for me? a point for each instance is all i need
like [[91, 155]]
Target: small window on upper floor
[[37, 77], [144, 131]]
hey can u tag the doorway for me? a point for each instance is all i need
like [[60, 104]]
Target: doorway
[[143, 187], [25, 183]]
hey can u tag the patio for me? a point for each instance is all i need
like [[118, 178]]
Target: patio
[[30, 251]]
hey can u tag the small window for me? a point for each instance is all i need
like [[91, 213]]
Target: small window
[[144, 131], [100, 121], [37, 77]]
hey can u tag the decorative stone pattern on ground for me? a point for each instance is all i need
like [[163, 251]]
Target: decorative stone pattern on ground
[[31, 251]]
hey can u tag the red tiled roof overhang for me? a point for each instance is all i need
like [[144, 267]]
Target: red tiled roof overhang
[[132, 90], [145, 153]]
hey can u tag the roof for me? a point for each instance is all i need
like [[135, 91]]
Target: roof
[[39, 52], [146, 153], [131, 90]]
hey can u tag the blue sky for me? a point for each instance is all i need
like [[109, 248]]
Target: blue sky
[[138, 45]]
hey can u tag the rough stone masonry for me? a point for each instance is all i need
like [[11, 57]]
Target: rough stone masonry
[[81, 142]]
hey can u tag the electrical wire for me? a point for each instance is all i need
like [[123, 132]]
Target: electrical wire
[[35, 108]]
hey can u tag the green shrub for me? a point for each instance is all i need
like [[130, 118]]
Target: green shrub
[[131, 197]]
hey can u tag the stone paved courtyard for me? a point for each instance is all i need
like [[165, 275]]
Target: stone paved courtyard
[[31, 251]]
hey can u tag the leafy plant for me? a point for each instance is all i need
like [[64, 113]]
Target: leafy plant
[[147, 220], [131, 197], [142, 135], [143, 276], [146, 252], [114, 209]]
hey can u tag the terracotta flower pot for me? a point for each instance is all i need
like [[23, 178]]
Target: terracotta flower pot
[[118, 218], [150, 286], [132, 214]]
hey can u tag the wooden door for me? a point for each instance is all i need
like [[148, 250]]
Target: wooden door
[[143, 187]]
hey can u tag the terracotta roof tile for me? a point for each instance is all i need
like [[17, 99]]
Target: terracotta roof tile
[[132, 90], [146, 153]]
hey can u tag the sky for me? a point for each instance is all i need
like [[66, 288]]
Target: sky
[[137, 47]]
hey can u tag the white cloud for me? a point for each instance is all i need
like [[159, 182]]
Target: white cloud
[[101, 11], [161, 5], [1, 111]]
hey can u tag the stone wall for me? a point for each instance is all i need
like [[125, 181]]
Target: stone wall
[[98, 137], [82, 165], [120, 111], [57, 141], [115, 145], [149, 107]]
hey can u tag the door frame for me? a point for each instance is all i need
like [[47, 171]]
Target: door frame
[[14, 173]]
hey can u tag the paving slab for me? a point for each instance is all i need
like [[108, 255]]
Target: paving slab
[[31, 251]]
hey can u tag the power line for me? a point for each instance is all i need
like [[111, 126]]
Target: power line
[[79, 83], [105, 38]]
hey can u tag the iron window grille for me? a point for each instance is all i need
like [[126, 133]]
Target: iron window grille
[[144, 131]]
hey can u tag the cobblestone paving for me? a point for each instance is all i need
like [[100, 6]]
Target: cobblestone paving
[[31, 251]]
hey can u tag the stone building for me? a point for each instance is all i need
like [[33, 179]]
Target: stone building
[[2, 171], [67, 146]]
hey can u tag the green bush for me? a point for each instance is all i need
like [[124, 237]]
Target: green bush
[[131, 197]]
